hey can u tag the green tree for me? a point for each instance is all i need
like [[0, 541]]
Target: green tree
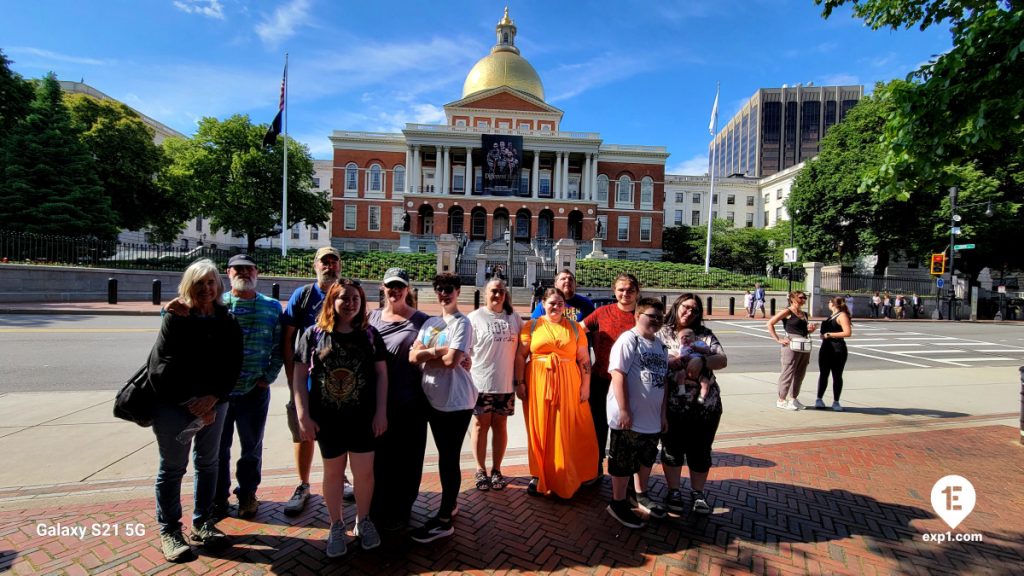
[[49, 183], [226, 175], [15, 97], [127, 163], [747, 249], [964, 107]]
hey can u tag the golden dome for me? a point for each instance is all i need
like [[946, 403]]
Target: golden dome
[[504, 66]]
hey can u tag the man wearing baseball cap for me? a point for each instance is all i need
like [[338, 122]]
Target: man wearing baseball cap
[[301, 313]]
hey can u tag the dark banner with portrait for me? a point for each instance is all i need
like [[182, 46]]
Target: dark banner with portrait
[[503, 158]]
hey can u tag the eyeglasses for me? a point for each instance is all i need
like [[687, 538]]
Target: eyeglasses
[[688, 308], [444, 289]]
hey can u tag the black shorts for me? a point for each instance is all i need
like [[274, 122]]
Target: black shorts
[[629, 451], [689, 439], [339, 435], [500, 404]]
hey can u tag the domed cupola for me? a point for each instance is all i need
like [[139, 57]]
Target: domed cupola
[[504, 66]]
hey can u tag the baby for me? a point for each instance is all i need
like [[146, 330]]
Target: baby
[[689, 347]]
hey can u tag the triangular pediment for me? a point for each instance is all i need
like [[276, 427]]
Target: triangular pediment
[[504, 98]]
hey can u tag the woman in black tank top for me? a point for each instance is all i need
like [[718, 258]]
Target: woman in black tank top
[[832, 357], [795, 353]]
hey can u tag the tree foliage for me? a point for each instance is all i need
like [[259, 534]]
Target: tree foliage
[[15, 97], [731, 248], [226, 175], [49, 183]]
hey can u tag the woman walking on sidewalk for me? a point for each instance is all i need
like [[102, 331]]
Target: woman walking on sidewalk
[[193, 367], [796, 349], [832, 356]]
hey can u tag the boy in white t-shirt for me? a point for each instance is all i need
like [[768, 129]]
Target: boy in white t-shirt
[[636, 404]]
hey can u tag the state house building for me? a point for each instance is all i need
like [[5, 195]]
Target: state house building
[[500, 163]]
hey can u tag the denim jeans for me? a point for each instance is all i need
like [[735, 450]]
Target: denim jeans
[[248, 414], [167, 423]]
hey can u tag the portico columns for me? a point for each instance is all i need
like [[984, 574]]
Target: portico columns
[[556, 178], [408, 169], [470, 178], [417, 175], [446, 183], [585, 183], [565, 176], [535, 175]]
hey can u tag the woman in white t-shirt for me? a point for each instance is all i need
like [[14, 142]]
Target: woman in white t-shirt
[[495, 342], [440, 347]]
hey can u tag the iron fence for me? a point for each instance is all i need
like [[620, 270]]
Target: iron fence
[[857, 283]]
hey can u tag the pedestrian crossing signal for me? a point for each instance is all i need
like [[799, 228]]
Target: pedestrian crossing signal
[[938, 264]]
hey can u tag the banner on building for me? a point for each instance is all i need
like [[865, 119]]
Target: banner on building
[[503, 156]]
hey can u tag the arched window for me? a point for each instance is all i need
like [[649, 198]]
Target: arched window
[[398, 185], [602, 188], [351, 178], [624, 191], [374, 179], [647, 192]]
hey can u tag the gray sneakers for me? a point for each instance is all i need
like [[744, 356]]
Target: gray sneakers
[[295, 504], [209, 536], [175, 547], [248, 505], [367, 533], [337, 541]]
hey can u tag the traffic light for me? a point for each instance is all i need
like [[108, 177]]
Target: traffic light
[[938, 264]]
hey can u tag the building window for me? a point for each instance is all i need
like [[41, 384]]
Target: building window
[[351, 178], [678, 218], [603, 220], [602, 188], [680, 197], [696, 198], [778, 213], [199, 223], [545, 183], [765, 217], [350, 217], [714, 214], [399, 180], [295, 232], [623, 234], [695, 218], [374, 219], [397, 215], [316, 182], [314, 233], [645, 229], [647, 192], [778, 194], [374, 180], [714, 199], [422, 249], [374, 247], [750, 220], [524, 181], [731, 217], [767, 197], [459, 180], [750, 200], [624, 192], [730, 199]]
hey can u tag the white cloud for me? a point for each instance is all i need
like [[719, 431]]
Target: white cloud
[[208, 8], [415, 114], [284, 23], [57, 57], [570, 80], [696, 166]]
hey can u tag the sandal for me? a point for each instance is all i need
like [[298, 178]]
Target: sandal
[[482, 482], [498, 481]]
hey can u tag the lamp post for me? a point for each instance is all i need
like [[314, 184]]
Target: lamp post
[[954, 218], [509, 242], [792, 224]]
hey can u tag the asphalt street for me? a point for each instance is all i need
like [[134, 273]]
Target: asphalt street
[[80, 353]]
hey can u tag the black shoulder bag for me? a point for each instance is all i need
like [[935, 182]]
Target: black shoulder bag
[[136, 401]]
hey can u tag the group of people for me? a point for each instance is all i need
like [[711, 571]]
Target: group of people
[[365, 385], [889, 307]]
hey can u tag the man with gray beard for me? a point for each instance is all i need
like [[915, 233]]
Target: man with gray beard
[[260, 319]]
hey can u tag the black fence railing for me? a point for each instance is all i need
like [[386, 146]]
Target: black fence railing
[[854, 283]]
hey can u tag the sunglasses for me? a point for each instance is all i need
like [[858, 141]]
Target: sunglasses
[[444, 289], [395, 286]]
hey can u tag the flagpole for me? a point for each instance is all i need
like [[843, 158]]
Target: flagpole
[[284, 177], [711, 195]]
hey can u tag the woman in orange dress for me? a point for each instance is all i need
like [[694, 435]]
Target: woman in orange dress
[[555, 390]]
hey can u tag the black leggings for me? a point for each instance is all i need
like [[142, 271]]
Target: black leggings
[[831, 358], [449, 431]]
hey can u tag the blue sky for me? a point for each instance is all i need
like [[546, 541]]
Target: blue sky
[[637, 71]]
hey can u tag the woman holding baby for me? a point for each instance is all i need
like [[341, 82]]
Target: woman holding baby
[[692, 417]]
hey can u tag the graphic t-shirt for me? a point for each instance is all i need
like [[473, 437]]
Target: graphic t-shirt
[[609, 323], [576, 308], [448, 389], [344, 376], [495, 339], [644, 363]]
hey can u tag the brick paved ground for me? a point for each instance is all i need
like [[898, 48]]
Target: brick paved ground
[[847, 506]]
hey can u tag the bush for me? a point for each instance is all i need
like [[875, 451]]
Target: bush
[[601, 273]]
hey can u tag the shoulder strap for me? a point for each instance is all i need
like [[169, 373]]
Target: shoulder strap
[[533, 326], [369, 338], [307, 291]]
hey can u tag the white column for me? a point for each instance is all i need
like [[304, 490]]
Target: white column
[[408, 169], [593, 179], [446, 183], [470, 178], [565, 176], [535, 175], [585, 181], [556, 178], [417, 174]]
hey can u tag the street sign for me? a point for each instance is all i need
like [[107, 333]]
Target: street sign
[[956, 230], [939, 282], [1002, 290], [963, 246], [789, 255]]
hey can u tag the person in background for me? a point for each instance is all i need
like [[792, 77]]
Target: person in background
[[345, 409], [559, 427], [748, 304], [832, 356], [577, 306], [442, 344], [876, 305], [193, 366], [759, 298], [496, 329], [849, 305], [398, 462], [604, 326], [796, 350]]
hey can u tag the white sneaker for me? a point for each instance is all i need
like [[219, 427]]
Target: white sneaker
[[781, 404], [837, 407], [819, 404], [790, 405], [797, 404]]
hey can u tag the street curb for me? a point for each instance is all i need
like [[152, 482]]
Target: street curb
[[78, 312]]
